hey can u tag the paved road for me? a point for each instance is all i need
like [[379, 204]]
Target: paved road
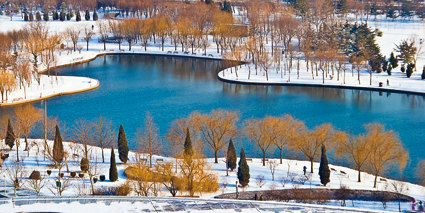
[[150, 204]]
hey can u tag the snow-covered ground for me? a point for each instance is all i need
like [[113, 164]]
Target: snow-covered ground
[[49, 86], [393, 33], [151, 204], [290, 170]]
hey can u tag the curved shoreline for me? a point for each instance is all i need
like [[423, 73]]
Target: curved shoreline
[[102, 53], [374, 89], [99, 54]]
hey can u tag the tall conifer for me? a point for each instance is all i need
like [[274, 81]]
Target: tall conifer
[[122, 145], [113, 172], [324, 171], [231, 156], [58, 152], [243, 170], [10, 136]]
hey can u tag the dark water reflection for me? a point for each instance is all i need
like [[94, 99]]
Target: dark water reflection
[[172, 87]]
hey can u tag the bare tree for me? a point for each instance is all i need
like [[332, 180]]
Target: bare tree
[[104, 135], [217, 128], [88, 34], [83, 132], [26, 117], [272, 166], [148, 138], [36, 184], [15, 173], [74, 34], [399, 188]]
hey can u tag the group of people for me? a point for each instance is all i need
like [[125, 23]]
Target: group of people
[[420, 206]]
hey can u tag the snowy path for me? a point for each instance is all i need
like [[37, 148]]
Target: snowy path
[[154, 204]]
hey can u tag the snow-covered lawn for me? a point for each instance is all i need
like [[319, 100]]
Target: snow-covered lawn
[[288, 169], [393, 33]]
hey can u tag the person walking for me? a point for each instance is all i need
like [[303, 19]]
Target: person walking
[[413, 205], [421, 207]]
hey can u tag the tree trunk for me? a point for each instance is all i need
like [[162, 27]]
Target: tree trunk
[[376, 179], [359, 176], [281, 155], [215, 156], [264, 158], [103, 156], [311, 166]]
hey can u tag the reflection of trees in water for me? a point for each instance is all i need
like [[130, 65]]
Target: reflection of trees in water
[[414, 101]]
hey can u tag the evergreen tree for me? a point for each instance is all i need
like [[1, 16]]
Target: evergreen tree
[[243, 170], [68, 16], [423, 73], [389, 70], [385, 65], [37, 16], [122, 145], [46, 15], [58, 152], [188, 149], [31, 17], [409, 70], [87, 16], [84, 164], [393, 61], [113, 172], [95, 17], [78, 17], [62, 16], [227, 7], [25, 16], [55, 15], [231, 156], [403, 69], [10, 136], [324, 171], [63, 12]]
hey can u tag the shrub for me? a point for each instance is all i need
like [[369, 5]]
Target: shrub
[[423, 74], [94, 179], [122, 190], [73, 174], [81, 175], [61, 174], [84, 164], [102, 177], [35, 175], [49, 172]]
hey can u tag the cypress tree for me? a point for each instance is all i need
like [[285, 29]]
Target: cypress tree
[[113, 172], [188, 149], [58, 152], [389, 70], [122, 145], [423, 73], [78, 17], [95, 17], [403, 69], [31, 17], [231, 156], [25, 16], [84, 164], [46, 15], [393, 61], [62, 16], [243, 170], [68, 16], [37, 16], [87, 16], [10, 136], [409, 70], [324, 171]]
